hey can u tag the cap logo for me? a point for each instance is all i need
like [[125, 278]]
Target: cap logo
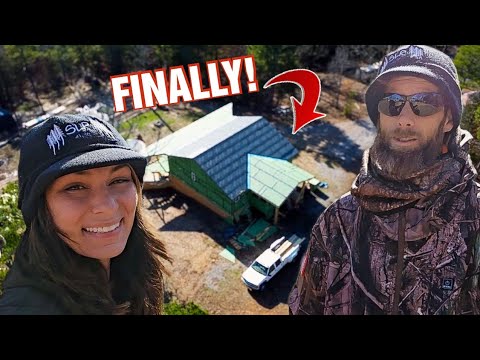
[[56, 138], [71, 129], [412, 51]]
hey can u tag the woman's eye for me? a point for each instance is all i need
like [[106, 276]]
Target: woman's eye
[[121, 181], [75, 187]]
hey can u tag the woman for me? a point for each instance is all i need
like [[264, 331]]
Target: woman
[[87, 248]]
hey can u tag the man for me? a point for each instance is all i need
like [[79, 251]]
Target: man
[[404, 239]]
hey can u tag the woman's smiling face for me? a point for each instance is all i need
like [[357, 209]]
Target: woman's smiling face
[[94, 210]]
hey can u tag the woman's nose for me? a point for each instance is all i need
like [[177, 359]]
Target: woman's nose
[[103, 201]]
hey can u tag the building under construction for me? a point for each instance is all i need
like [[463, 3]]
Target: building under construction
[[234, 165]]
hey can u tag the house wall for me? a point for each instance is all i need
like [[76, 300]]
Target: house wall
[[189, 178], [261, 205]]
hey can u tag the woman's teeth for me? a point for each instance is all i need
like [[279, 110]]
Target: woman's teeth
[[103, 229]]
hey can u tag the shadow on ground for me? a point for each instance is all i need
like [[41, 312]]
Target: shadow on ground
[[198, 218], [366, 124], [299, 222], [329, 143]]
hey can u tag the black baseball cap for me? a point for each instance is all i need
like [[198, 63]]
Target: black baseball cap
[[65, 144]]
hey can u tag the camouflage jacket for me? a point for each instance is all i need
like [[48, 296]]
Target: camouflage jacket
[[351, 265], [340, 275]]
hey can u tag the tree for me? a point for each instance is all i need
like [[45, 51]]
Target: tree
[[271, 60], [337, 66], [467, 61], [26, 56], [314, 57], [7, 86]]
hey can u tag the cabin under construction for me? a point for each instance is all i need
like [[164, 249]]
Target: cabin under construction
[[234, 165]]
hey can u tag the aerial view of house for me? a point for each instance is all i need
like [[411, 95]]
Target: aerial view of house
[[234, 165]]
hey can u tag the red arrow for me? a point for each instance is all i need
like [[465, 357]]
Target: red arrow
[[303, 112]]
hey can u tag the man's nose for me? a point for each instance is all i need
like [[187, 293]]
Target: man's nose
[[406, 117]]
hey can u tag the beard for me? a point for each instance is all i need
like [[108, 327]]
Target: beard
[[404, 164]]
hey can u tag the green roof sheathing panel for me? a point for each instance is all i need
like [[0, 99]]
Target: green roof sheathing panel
[[226, 163], [274, 179]]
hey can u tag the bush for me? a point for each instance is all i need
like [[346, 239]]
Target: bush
[[12, 226], [175, 308], [471, 122], [467, 61], [468, 121], [476, 121], [348, 109], [3, 273]]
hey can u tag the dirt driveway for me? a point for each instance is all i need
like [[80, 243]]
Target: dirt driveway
[[195, 236]]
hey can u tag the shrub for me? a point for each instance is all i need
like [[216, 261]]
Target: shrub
[[176, 308], [349, 103], [11, 225]]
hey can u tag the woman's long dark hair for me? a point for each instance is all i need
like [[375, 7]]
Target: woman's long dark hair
[[80, 284]]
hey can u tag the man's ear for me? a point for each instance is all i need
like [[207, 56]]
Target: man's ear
[[448, 121]]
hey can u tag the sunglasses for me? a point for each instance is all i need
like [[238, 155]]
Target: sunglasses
[[422, 104]]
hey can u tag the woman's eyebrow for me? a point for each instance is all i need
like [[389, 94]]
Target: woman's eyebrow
[[118, 167], [112, 170]]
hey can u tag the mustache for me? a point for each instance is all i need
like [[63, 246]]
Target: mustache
[[403, 133]]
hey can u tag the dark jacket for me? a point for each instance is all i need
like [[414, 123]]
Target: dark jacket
[[334, 277], [23, 296], [396, 247]]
